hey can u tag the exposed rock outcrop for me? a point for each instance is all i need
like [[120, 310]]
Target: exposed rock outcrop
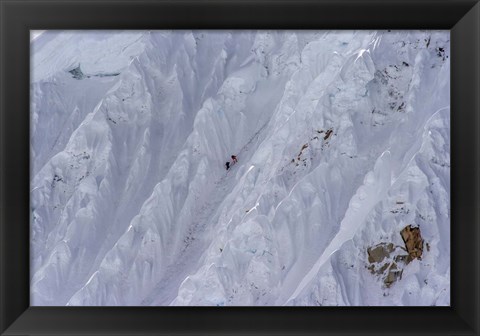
[[388, 260], [413, 241]]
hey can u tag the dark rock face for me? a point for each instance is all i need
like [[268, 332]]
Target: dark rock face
[[77, 73], [383, 262], [379, 252], [413, 241], [388, 260]]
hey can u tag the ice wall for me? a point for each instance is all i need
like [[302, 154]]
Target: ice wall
[[131, 203]]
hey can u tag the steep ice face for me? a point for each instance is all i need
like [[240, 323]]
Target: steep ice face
[[342, 140]]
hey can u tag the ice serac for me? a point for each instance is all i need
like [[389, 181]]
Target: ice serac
[[342, 139]]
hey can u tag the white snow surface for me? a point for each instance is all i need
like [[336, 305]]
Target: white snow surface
[[131, 203]]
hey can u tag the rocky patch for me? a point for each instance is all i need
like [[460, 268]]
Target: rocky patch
[[388, 261], [413, 242]]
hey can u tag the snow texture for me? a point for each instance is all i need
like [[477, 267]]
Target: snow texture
[[342, 138]]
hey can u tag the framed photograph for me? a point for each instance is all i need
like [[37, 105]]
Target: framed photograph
[[229, 167]]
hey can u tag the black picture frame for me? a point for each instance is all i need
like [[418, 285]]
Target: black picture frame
[[17, 17]]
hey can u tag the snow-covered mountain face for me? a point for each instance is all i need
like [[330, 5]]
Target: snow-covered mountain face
[[343, 146]]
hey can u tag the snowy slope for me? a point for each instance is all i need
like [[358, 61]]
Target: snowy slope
[[343, 139]]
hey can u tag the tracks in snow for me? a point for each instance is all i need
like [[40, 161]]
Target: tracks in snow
[[198, 239]]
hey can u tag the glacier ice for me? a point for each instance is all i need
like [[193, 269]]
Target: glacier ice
[[131, 204]]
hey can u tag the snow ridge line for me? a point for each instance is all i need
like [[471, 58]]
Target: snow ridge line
[[346, 231], [196, 229], [425, 130]]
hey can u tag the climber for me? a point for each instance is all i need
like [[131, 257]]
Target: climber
[[234, 159], [227, 165]]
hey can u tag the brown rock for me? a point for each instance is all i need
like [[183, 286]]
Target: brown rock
[[383, 268], [327, 135], [405, 258], [413, 241], [393, 275], [379, 252]]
